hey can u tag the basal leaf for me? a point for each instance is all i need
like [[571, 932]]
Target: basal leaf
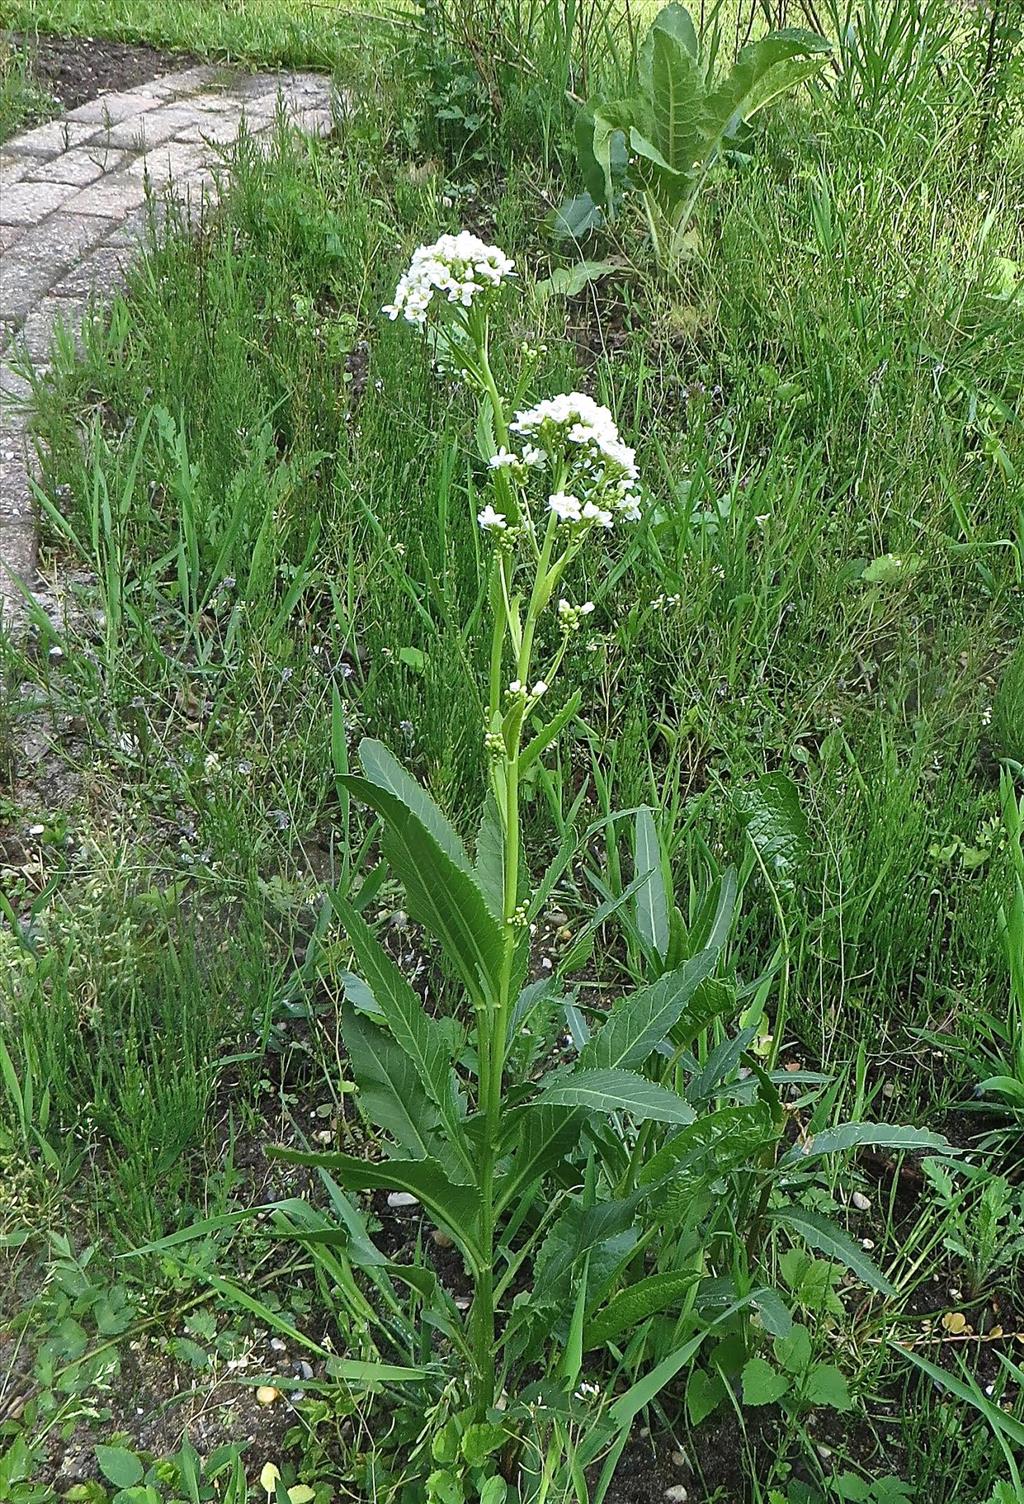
[[762, 71], [640, 1021], [454, 1207], [673, 21], [825, 1237], [713, 1145], [605, 1091], [677, 100]]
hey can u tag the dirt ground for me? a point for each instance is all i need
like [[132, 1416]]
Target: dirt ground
[[76, 69]]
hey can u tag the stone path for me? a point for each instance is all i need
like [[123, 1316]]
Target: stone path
[[75, 198]]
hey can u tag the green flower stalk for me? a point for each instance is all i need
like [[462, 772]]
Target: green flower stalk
[[560, 475]]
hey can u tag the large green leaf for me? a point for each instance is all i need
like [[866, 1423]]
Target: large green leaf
[[673, 21], [390, 1089], [607, 1091], [653, 899], [382, 768], [636, 1303], [419, 1035], [442, 895], [825, 1237], [613, 120], [455, 1207], [846, 1136], [639, 1022], [776, 826], [546, 1136], [677, 101], [490, 857], [762, 71], [711, 1146]]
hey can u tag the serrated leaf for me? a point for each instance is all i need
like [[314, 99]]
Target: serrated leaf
[[710, 1147], [824, 1236], [390, 1090], [825, 1385], [846, 1136], [605, 1091], [762, 1384], [490, 857], [793, 1352], [455, 1207], [640, 1021], [419, 1035], [441, 894], [382, 768], [546, 1136], [647, 1297], [776, 826]]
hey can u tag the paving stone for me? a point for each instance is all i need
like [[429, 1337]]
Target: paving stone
[[48, 317], [28, 203], [47, 140], [99, 276], [12, 170], [137, 225], [218, 129], [80, 166], [112, 197], [115, 106], [22, 284], [60, 240], [177, 159], [190, 81], [314, 122], [15, 390], [143, 131]]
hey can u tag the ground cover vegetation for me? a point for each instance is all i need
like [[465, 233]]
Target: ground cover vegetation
[[512, 835]]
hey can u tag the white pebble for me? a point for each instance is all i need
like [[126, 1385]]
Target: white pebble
[[677, 1494], [860, 1201], [398, 1199]]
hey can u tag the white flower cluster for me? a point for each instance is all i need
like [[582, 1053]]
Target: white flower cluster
[[575, 431], [459, 266]]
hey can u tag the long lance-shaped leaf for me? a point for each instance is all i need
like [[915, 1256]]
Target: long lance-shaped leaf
[[381, 767], [419, 1035], [639, 1022], [455, 1208], [636, 1303], [846, 1136], [607, 1091], [390, 1090], [677, 100], [441, 895], [823, 1236], [762, 71], [613, 121], [674, 21]]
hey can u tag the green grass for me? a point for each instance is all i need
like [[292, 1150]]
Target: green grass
[[22, 101], [262, 502]]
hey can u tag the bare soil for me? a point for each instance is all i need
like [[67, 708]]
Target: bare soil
[[75, 69]]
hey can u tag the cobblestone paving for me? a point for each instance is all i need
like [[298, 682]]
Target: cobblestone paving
[[76, 196]]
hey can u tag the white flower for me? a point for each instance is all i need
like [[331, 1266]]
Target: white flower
[[504, 460], [540, 688], [461, 267], [491, 521], [533, 457], [517, 688], [566, 508], [592, 513]]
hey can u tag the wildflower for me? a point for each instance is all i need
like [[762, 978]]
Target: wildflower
[[461, 267], [491, 521], [566, 508], [592, 513], [517, 687], [540, 688], [533, 457], [504, 460]]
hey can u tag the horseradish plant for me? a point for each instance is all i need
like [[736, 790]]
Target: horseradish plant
[[665, 140], [585, 1187]]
